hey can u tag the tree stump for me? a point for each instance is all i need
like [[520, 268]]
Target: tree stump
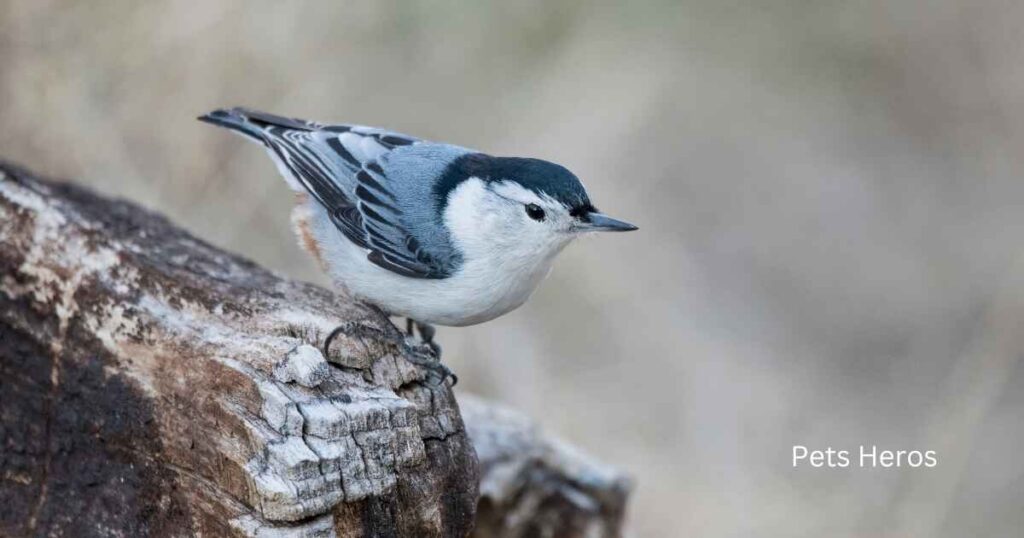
[[154, 385]]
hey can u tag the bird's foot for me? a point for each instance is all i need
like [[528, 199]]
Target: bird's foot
[[432, 358], [426, 355], [429, 362], [427, 333]]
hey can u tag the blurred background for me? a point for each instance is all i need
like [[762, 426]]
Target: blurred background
[[829, 193]]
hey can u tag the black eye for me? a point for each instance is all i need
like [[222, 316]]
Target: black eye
[[535, 212]]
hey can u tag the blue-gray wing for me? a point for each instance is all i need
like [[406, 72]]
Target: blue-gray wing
[[392, 244], [341, 167]]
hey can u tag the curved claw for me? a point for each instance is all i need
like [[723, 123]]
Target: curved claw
[[432, 365], [415, 354], [444, 373], [327, 341]]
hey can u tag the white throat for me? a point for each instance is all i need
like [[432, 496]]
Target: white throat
[[502, 265]]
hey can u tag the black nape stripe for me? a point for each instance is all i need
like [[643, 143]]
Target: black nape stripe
[[542, 177]]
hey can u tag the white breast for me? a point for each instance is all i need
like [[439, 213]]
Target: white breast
[[497, 275]]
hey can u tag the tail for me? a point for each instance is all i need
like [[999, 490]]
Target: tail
[[252, 123]]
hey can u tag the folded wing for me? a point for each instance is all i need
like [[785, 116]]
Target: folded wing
[[340, 166]]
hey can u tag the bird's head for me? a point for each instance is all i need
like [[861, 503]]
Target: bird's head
[[526, 205]]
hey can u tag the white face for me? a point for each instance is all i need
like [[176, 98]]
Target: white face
[[504, 219]]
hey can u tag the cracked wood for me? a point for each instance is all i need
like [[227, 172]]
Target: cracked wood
[[156, 385]]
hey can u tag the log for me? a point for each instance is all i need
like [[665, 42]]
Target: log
[[154, 385], [536, 485]]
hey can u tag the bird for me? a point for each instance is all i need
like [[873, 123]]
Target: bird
[[433, 232]]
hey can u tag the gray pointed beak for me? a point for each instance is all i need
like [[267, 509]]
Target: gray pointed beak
[[599, 222]]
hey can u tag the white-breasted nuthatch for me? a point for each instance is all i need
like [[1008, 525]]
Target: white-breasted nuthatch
[[433, 232]]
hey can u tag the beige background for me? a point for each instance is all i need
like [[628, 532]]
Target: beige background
[[830, 197]]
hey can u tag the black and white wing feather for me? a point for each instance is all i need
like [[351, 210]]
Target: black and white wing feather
[[338, 165], [391, 246]]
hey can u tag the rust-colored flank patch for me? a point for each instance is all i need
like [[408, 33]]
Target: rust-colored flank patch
[[300, 218], [308, 243]]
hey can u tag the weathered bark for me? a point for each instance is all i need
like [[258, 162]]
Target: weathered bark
[[533, 485], [153, 385]]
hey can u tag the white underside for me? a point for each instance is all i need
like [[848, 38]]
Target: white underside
[[485, 287]]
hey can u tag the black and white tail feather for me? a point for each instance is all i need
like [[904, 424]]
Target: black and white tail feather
[[339, 166]]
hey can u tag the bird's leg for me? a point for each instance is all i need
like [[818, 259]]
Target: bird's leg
[[433, 361], [427, 333]]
